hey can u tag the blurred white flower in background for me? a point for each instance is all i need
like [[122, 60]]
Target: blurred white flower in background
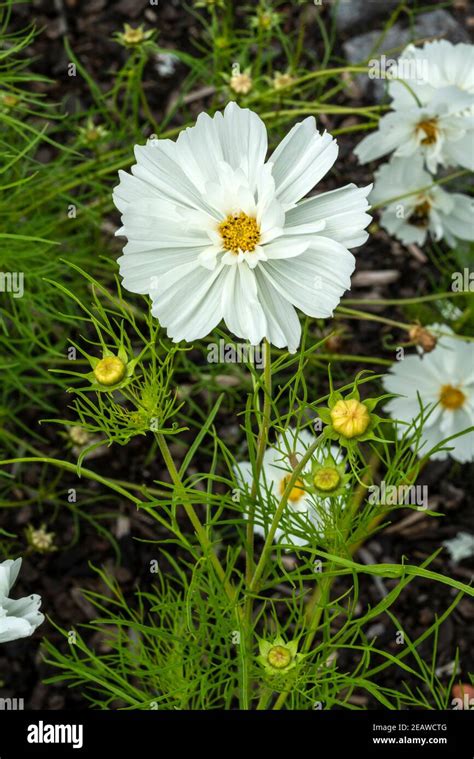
[[443, 381], [461, 547], [301, 514], [444, 215], [216, 233], [18, 618], [433, 108], [432, 66], [442, 132], [165, 64]]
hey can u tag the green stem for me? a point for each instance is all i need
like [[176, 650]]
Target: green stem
[[262, 442], [319, 597], [254, 585], [420, 190], [201, 533], [372, 317], [261, 447]]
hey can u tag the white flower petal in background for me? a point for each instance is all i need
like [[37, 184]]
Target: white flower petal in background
[[18, 618], [430, 67], [461, 547], [276, 471], [444, 382], [433, 108], [215, 232], [442, 214]]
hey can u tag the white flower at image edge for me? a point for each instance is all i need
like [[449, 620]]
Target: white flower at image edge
[[276, 472], [217, 233], [443, 132], [430, 67], [444, 380], [18, 618], [461, 547], [435, 211], [433, 108]]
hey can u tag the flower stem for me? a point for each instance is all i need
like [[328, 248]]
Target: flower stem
[[261, 446], [201, 533], [254, 585], [249, 549], [322, 589]]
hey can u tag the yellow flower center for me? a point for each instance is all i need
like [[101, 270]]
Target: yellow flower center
[[296, 492], [350, 418], [239, 232], [109, 370], [327, 479], [451, 397], [279, 657], [421, 214], [430, 130]]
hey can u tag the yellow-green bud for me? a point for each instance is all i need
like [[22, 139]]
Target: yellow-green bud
[[110, 370], [279, 657], [327, 479], [350, 418]]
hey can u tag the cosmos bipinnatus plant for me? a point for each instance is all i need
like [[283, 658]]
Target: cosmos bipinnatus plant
[[253, 600]]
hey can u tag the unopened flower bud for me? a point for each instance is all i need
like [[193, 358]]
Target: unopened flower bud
[[241, 83], [279, 657], [327, 479], [422, 337], [110, 370], [350, 418]]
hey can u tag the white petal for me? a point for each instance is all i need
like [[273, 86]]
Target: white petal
[[141, 271], [301, 159], [342, 210], [243, 138], [460, 222], [283, 325], [187, 301], [243, 313], [316, 280], [393, 130]]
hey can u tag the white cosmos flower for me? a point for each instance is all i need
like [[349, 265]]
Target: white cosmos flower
[[301, 512], [437, 212], [215, 232], [444, 382], [428, 68], [18, 618], [441, 131]]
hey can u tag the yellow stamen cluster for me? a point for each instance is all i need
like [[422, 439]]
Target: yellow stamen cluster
[[239, 232], [350, 418], [296, 492], [421, 214], [327, 479], [279, 657], [451, 397], [430, 129]]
